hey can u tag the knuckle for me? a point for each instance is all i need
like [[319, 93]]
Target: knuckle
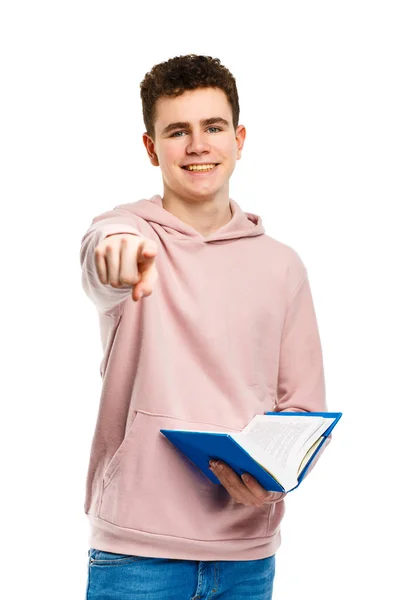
[[129, 279]]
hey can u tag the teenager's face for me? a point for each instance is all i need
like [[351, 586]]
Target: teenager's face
[[193, 140]]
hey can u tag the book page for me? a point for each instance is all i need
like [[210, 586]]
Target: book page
[[280, 437], [308, 455]]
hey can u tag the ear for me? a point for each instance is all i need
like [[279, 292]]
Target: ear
[[240, 137], [149, 145]]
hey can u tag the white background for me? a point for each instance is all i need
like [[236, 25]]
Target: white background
[[319, 94]]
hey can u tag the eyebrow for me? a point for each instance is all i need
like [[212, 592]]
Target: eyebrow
[[186, 124]]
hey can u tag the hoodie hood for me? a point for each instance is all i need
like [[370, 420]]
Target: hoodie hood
[[242, 224]]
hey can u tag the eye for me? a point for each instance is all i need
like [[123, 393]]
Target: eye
[[175, 134]]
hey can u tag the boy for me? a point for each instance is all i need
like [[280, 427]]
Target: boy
[[206, 321]]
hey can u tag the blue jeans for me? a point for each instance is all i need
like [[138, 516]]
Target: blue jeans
[[124, 577]]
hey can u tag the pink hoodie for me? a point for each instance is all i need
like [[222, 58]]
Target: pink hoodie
[[229, 332]]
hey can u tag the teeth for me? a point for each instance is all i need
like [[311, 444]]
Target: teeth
[[201, 167]]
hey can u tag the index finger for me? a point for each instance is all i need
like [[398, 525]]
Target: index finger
[[259, 491], [146, 266]]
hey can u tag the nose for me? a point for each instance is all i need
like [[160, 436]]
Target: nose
[[198, 143]]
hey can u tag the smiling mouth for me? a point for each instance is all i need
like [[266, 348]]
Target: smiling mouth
[[200, 168]]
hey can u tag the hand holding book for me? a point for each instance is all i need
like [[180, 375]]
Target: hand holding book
[[276, 448], [245, 489]]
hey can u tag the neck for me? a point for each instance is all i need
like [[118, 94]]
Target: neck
[[205, 215]]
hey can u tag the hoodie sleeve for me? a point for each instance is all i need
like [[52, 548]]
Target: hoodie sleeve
[[301, 381], [104, 296]]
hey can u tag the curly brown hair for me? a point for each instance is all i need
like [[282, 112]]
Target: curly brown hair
[[181, 73]]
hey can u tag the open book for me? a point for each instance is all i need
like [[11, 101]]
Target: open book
[[276, 448]]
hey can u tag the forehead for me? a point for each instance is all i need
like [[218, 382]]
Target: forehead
[[192, 106]]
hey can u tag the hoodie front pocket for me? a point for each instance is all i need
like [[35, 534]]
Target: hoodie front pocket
[[116, 459], [149, 485]]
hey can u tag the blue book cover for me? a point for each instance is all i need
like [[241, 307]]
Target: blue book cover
[[260, 452]]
